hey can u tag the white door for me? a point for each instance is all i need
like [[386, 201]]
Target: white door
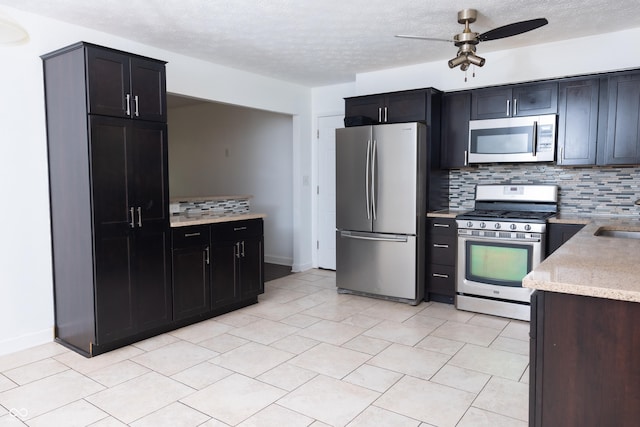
[[326, 191]]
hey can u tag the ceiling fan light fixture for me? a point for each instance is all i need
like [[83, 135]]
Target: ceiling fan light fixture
[[458, 60], [475, 59]]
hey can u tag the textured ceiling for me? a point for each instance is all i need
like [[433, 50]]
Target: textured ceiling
[[321, 42]]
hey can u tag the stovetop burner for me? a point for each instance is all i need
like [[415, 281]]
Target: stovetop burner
[[509, 215]]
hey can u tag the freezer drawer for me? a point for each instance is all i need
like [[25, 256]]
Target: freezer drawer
[[377, 264]]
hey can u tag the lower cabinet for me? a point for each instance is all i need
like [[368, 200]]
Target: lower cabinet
[[441, 260], [558, 234], [584, 366], [217, 268], [191, 260]]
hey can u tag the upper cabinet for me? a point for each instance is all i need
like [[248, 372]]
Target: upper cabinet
[[125, 85], [518, 100], [456, 112], [397, 107], [621, 132], [578, 121]]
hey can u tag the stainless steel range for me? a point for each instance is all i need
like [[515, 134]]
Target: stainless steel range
[[499, 242]]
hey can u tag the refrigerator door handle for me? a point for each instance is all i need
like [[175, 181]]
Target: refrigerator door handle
[[366, 179], [374, 155], [375, 237]]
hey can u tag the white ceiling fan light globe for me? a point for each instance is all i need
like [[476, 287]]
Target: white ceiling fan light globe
[[11, 33]]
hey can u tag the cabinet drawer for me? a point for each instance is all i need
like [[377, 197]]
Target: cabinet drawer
[[441, 280], [442, 250], [441, 226], [237, 230], [185, 237]]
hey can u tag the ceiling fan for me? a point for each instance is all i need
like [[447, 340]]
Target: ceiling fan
[[467, 40]]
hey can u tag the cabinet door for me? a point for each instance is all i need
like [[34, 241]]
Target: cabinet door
[[149, 183], [108, 82], [191, 294], [152, 277], [148, 84], [367, 106], [456, 113], [251, 267], [493, 103], [623, 128], [406, 107], [578, 122], [535, 99], [114, 293], [558, 234], [224, 273]]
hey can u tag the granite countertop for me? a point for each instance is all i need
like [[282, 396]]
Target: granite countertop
[[212, 217], [445, 213], [589, 265]]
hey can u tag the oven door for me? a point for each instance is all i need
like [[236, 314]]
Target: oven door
[[494, 267]]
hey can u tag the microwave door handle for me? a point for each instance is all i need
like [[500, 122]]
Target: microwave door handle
[[535, 138]]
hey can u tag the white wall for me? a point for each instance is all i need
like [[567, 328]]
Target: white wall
[[219, 149], [26, 299]]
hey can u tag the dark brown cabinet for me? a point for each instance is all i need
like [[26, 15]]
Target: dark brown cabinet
[[237, 268], [191, 254], [456, 113], [127, 86], [558, 234], [397, 107], [517, 100], [583, 361], [441, 260], [622, 131], [578, 121], [109, 209]]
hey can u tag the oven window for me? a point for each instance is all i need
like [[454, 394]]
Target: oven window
[[502, 264], [509, 140]]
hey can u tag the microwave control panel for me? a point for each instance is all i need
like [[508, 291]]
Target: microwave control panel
[[546, 138]]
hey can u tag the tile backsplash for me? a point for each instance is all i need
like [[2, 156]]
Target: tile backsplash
[[582, 190], [236, 205]]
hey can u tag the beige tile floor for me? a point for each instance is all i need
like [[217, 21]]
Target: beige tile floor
[[303, 356]]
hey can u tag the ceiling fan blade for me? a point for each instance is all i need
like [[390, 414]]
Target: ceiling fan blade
[[512, 29], [405, 36]]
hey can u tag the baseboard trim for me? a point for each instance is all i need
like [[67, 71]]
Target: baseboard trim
[[24, 342]]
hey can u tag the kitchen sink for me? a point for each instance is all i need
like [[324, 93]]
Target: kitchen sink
[[612, 232]]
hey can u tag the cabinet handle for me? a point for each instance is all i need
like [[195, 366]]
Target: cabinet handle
[[191, 234], [132, 213], [135, 100], [139, 216], [508, 107], [243, 249], [437, 224], [441, 276], [206, 254], [466, 158], [515, 106], [128, 112], [239, 228], [379, 114], [438, 245], [237, 250], [385, 114]]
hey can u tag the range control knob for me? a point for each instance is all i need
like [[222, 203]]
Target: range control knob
[[483, 225], [513, 226], [469, 224], [497, 226], [527, 227]]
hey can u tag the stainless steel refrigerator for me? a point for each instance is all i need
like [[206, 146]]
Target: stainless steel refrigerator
[[381, 197]]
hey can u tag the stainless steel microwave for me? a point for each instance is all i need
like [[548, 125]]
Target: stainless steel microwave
[[513, 140]]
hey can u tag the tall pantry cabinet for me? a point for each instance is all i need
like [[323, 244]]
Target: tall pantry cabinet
[[107, 148]]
